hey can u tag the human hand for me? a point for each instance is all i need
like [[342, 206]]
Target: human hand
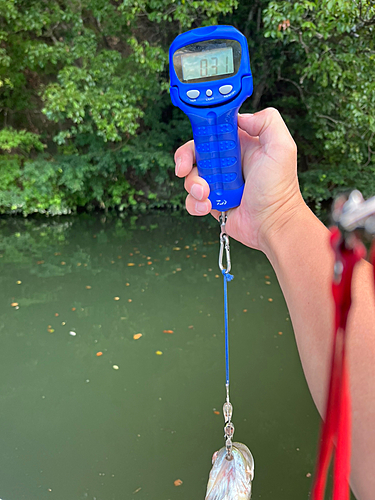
[[271, 193]]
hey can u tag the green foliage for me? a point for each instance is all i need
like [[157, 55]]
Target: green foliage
[[329, 52], [19, 140], [88, 81], [87, 121]]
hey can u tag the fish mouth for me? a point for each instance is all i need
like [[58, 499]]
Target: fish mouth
[[230, 479]]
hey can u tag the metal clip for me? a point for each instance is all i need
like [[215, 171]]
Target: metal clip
[[224, 243]]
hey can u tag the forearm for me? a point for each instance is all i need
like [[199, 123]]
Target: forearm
[[303, 261]]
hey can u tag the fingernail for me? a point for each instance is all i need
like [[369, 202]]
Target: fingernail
[[197, 191], [178, 164], [245, 114], [201, 207]]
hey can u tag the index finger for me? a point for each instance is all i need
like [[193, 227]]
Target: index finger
[[184, 158]]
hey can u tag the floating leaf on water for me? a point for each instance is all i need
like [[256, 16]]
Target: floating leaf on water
[[99, 353], [63, 323], [130, 264], [176, 249], [205, 275], [127, 284], [73, 334], [178, 269], [79, 264], [115, 367], [245, 310], [19, 282], [131, 255], [57, 253], [50, 330], [268, 282], [167, 258], [136, 491], [14, 304], [270, 300], [216, 412], [167, 331], [130, 300], [56, 314], [308, 474], [149, 262], [116, 298], [148, 258], [280, 333], [267, 277], [204, 256], [40, 262], [137, 336], [73, 308], [88, 287], [119, 257], [156, 274], [217, 276], [191, 327], [159, 353], [112, 261], [178, 482], [188, 256], [63, 263]]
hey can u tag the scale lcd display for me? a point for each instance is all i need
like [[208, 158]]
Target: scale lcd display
[[207, 63]]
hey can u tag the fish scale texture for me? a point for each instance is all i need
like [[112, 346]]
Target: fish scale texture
[[231, 479]]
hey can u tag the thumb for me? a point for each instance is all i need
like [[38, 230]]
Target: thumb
[[268, 125]]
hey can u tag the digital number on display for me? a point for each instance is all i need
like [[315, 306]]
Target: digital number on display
[[207, 63]]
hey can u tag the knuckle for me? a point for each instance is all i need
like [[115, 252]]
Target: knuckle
[[273, 112], [293, 146]]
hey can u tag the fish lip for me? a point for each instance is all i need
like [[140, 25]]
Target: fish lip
[[229, 481]]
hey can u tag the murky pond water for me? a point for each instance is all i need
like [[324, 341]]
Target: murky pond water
[[74, 426]]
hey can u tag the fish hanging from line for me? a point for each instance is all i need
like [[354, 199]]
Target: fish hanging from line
[[231, 479]]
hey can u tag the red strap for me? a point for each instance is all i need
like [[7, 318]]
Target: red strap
[[335, 432]]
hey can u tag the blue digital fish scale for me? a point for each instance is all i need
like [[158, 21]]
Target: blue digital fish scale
[[210, 79]]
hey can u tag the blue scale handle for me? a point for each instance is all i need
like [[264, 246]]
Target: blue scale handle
[[214, 121], [218, 155]]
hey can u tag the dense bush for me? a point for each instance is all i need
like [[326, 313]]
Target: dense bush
[[86, 116]]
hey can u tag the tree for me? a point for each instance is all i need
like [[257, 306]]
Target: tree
[[328, 65]]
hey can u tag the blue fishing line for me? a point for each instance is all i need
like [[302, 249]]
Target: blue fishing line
[[227, 277]]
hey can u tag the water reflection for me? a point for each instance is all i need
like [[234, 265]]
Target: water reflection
[[73, 427]]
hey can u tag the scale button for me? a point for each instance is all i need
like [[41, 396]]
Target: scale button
[[208, 92], [193, 94], [225, 89]]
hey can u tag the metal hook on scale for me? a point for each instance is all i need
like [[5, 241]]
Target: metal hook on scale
[[225, 269], [224, 244]]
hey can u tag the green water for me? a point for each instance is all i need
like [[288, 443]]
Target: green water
[[73, 427]]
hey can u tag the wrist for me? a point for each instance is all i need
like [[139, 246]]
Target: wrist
[[285, 223]]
